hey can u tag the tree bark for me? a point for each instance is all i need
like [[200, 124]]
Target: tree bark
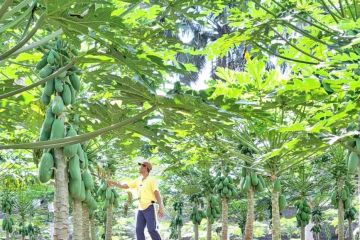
[[224, 219], [351, 237], [249, 226], [61, 203], [93, 228], [302, 233], [85, 222], [208, 230], [196, 231], [77, 221], [7, 235], [341, 235], [358, 193], [108, 227], [276, 234], [179, 232]]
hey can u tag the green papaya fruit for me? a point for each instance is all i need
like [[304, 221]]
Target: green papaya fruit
[[259, 187], [44, 134], [42, 63], [83, 192], [59, 85], [51, 58], [75, 81], [46, 167], [58, 105], [277, 185], [347, 203], [247, 183], [66, 95], [57, 129], [45, 99], [71, 149], [75, 188], [73, 95], [282, 202], [49, 87], [343, 195], [108, 193], [254, 179], [74, 168], [226, 181], [49, 119], [45, 71], [304, 216], [88, 180]]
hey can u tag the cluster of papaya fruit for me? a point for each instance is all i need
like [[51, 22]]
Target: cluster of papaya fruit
[[177, 221], [108, 194], [7, 223], [28, 230], [81, 182], [66, 83], [224, 186], [63, 87], [7, 204], [344, 194], [350, 214], [317, 219], [251, 179], [303, 212], [213, 209], [197, 214]]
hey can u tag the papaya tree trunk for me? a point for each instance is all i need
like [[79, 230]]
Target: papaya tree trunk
[[7, 235], [179, 232], [61, 203], [208, 230], [351, 237], [108, 227], [341, 234], [224, 219], [276, 234], [86, 222], [196, 231], [249, 226], [77, 221], [302, 233], [359, 193], [93, 228]]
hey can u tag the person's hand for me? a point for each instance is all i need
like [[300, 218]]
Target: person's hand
[[161, 211], [111, 183]]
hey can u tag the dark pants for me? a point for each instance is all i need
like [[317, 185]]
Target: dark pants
[[147, 218]]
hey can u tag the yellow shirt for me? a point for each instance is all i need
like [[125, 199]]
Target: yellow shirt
[[145, 189]]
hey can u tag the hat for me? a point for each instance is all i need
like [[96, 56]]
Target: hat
[[141, 160]]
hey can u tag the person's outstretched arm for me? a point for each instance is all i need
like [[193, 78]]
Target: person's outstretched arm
[[116, 184]]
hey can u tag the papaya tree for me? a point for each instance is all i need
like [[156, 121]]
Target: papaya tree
[[197, 214], [274, 150], [212, 203], [109, 195], [250, 183], [177, 221], [7, 207]]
